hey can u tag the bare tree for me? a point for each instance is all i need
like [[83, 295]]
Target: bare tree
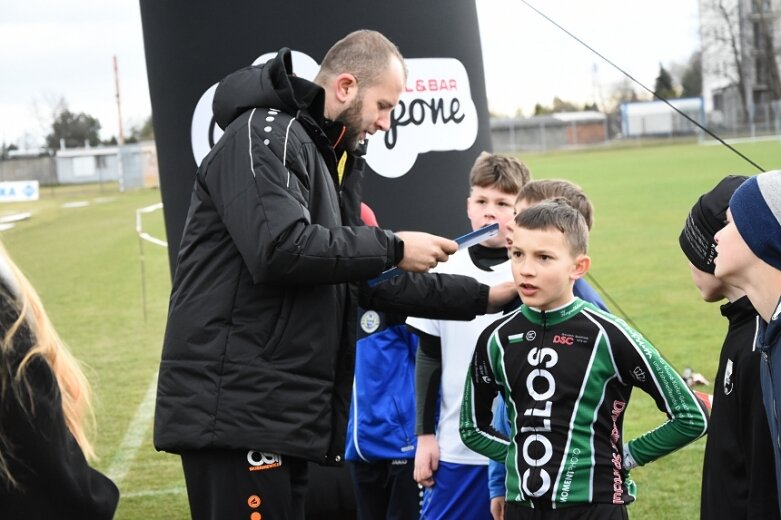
[[47, 110], [620, 92], [738, 36], [721, 38]]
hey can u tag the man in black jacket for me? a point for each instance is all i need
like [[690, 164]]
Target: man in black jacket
[[258, 354]]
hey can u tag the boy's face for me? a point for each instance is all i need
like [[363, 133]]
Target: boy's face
[[710, 287], [486, 206], [733, 255], [544, 268], [509, 225]]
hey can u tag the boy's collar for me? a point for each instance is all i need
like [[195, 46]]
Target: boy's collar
[[553, 316]]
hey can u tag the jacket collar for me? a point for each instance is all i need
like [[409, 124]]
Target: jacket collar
[[269, 85], [553, 316]]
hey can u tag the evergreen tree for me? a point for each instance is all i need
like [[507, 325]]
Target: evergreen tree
[[664, 84], [691, 81]]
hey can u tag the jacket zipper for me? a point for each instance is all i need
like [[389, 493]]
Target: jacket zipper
[[536, 471], [408, 446], [766, 359]]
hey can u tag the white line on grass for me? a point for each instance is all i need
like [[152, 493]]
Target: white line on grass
[[134, 435], [155, 492], [740, 140], [76, 204]]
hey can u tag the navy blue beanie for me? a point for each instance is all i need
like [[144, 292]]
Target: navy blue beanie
[[756, 212]]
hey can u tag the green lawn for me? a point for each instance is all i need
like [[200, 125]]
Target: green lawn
[[86, 264]]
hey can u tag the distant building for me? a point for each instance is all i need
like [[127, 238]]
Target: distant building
[[132, 165], [740, 61], [85, 165], [656, 118], [26, 153], [560, 130]]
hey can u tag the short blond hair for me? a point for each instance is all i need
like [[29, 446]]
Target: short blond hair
[[545, 189], [503, 172]]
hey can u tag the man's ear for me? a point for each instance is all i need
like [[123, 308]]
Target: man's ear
[[581, 267], [346, 88]]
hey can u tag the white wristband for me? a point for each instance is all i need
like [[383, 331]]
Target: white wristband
[[629, 460]]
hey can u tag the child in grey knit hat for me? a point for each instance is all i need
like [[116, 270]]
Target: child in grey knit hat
[[749, 257]]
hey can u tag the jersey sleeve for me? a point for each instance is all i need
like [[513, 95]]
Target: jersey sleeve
[[428, 380], [497, 471], [480, 389], [640, 364]]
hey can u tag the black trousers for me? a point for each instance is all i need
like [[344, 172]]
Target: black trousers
[[244, 485], [386, 490], [516, 511]]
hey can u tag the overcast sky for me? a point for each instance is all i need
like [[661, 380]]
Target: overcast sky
[[51, 49]]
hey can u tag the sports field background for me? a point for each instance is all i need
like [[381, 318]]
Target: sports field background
[[85, 262]]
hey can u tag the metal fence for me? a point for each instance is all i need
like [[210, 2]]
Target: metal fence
[[545, 133]]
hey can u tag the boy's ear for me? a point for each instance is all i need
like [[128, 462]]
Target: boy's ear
[[581, 267]]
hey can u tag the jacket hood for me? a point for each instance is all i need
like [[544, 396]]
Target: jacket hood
[[270, 85]]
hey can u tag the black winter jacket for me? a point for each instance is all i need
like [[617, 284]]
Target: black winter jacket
[[738, 471], [54, 479], [257, 350]]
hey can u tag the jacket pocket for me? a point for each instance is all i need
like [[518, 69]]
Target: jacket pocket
[[405, 429], [275, 340]]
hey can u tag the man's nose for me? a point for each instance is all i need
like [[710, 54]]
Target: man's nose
[[383, 122]]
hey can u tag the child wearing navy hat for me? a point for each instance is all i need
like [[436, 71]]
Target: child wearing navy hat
[[738, 473], [749, 257]]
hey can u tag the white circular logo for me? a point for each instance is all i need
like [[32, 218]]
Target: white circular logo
[[370, 322], [531, 335]]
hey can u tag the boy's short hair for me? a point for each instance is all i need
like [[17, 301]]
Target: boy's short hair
[[557, 214], [503, 172], [538, 191]]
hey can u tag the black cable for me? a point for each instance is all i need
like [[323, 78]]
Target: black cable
[[625, 73], [614, 305]]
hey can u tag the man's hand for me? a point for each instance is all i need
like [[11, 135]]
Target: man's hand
[[422, 251], [426, 459], [497, 508], [500, 295]]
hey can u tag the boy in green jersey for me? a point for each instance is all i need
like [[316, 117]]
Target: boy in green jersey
[[566, 371]]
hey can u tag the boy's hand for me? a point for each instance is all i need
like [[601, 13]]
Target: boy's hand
[[500, 295], [426, 459], [423, 251], [497, 508]]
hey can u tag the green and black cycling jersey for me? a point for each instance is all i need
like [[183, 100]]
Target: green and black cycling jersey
[[566, 376]]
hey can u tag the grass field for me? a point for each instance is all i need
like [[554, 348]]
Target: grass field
[[85, 262]]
